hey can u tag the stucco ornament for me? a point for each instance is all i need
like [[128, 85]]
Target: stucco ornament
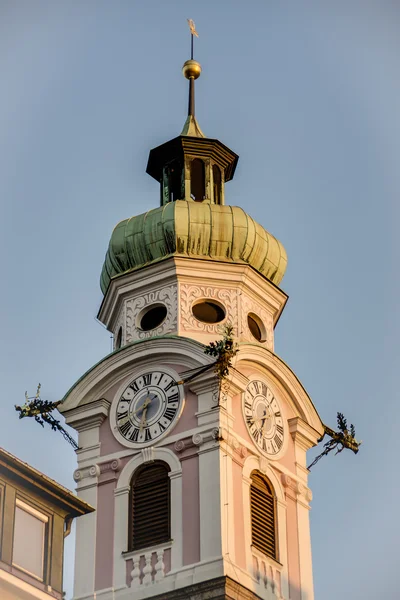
[[167, 296], [120, 325], [190, 294], [251, 306]]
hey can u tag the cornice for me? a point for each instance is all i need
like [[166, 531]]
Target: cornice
[[187, 269], [89, 415], [302, 433]]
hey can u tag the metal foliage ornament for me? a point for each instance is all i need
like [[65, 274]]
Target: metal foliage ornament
[[41, 411], [224, 350], [344, 438]]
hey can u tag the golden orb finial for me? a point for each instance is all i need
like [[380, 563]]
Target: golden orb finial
[[191, 69]]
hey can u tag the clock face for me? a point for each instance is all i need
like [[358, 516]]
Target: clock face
[[264, 418], [148, 408]]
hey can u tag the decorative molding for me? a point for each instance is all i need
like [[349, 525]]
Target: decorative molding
[[227, 297], [179, 446], [197, 440], [298, 488], [263, 465], [111, 465], [87, 416], [120, 323], [303, 435], [231, 440], [148, 454], [168, 296], [85, 472]]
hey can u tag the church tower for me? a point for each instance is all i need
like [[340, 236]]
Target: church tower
[[200, 489]]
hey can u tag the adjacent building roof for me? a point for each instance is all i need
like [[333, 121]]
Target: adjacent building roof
[[41, 483]]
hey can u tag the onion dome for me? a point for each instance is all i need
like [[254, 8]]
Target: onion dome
[[192, 220], [193, 230]]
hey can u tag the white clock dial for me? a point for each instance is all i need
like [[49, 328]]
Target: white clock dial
[[263, 417], [148, 408]]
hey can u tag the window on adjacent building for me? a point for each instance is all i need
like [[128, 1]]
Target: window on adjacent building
[[29, 539], [263, 515], [150, 506]]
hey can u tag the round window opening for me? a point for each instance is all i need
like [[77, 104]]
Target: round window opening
[[152, 317], [256, 327], [208, 311]]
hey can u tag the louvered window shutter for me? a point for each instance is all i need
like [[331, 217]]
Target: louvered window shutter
[[150, 507], [263, 515]]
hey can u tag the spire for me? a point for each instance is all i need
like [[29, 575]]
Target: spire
[[191, 70]]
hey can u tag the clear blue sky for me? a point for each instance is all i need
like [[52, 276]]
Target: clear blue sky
[[308, 94]]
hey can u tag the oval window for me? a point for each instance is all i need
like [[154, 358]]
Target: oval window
[[152, 317], [256, 327], [208, 311]]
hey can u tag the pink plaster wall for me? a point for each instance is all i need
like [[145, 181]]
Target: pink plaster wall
[[191, 510], [188, 419], [293, 550], [238, 516], [104, 535]]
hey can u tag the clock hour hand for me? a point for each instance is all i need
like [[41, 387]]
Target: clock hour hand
[[143, 407], [143, 419]]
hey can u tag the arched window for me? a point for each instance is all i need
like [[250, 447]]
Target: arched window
[[217, 184], [197, 180], [263, 515], [150, 506]]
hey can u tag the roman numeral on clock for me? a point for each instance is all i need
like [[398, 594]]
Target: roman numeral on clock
[[279, 429], [147, 379], [147, 435], [121, 415], [278, 441], [170, 385], [134, 386], [125, 427], [134, 435], [169, 413], [173, 397]]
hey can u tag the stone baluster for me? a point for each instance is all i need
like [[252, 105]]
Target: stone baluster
[[147, 569], [135, 573], [159, 567]]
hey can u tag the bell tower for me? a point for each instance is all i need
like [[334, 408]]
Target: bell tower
[[200, 489]]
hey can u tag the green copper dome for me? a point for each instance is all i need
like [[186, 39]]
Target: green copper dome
[[194, 230]]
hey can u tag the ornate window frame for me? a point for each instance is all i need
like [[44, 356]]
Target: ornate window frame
[[121, 512]]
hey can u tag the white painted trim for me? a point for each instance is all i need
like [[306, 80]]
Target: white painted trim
[[85, 545], [29, 509], [250, 464], [121, 513]]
